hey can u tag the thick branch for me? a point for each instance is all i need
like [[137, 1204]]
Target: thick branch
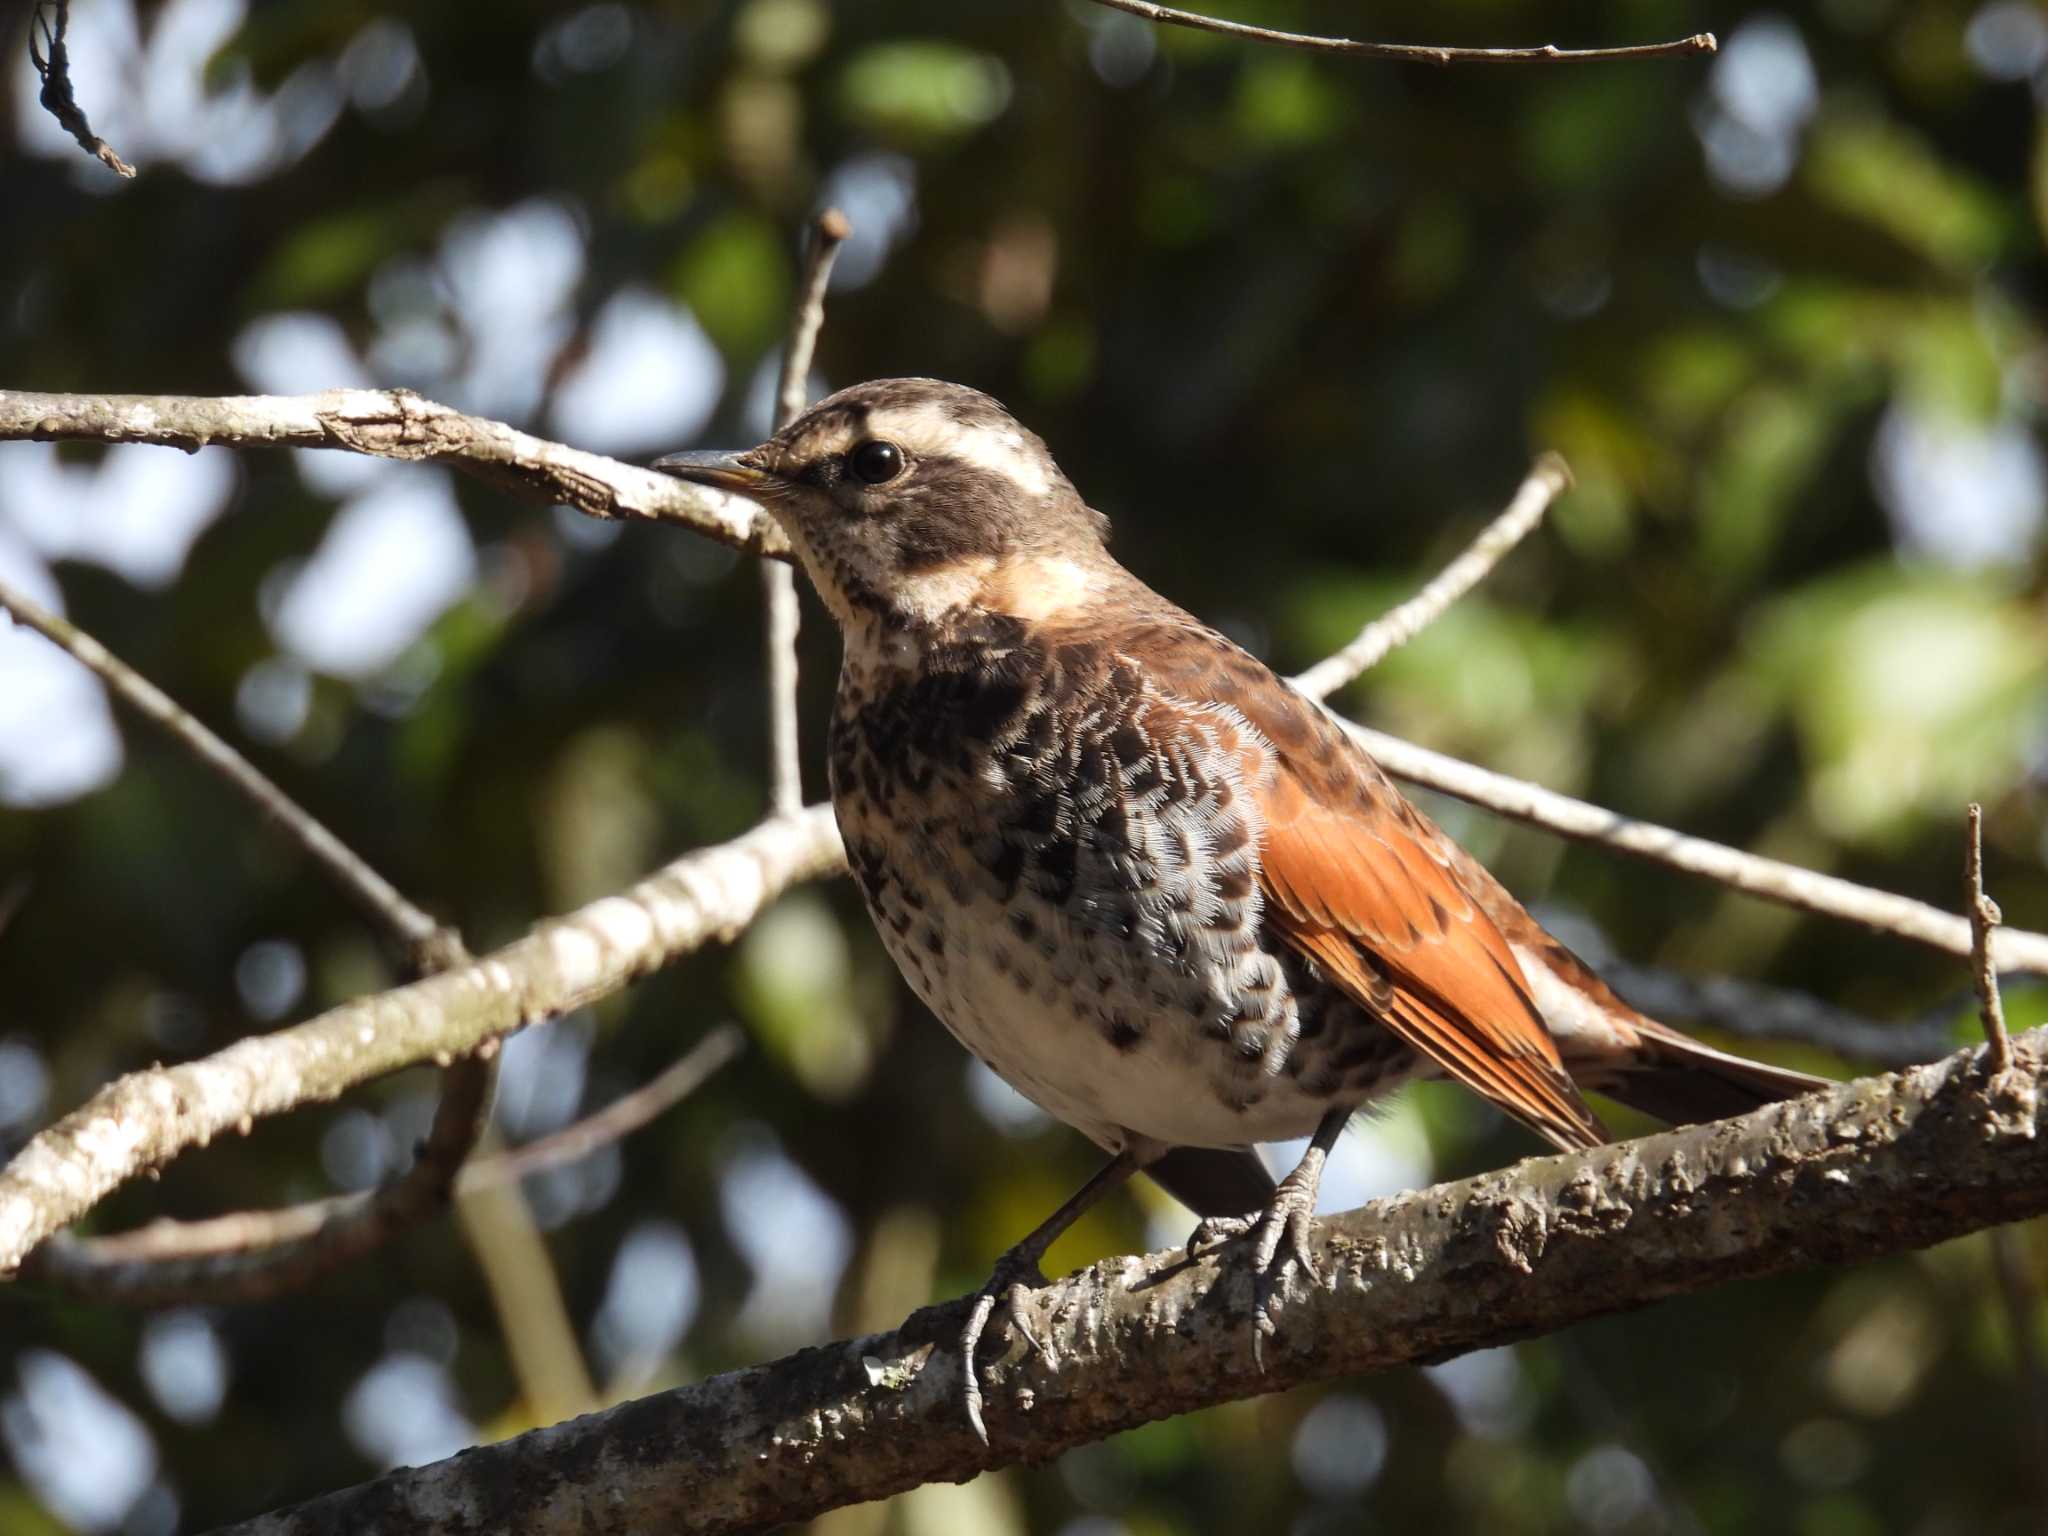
[[1413, 53], [1870, 1168], [397, 424], [144, 1119]]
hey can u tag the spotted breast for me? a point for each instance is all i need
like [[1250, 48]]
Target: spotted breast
[[1061, 853]]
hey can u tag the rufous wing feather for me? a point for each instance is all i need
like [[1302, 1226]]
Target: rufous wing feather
[[1351, 884]]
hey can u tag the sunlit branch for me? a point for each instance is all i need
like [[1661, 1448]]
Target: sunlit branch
[[418, 933], [397, 424], [1414, 53], [1874, 1167], [145, 1119], [778, 582], [2012, 949], [1984, 917], [459, 1115], [1549, 477], [168, 1262]]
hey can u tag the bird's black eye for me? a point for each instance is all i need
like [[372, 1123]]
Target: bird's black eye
[[875, 461]]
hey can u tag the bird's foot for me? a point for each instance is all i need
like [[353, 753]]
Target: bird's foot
[[1015, 1273], [1279, 1236]]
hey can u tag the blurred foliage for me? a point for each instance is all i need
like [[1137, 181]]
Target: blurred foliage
[[1297, 324]]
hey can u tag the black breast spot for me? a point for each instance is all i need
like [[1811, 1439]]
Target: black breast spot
[[1120, 1032]]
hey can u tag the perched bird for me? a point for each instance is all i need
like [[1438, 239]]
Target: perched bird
[[1153, 887]]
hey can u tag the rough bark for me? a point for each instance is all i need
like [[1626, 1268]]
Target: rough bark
[[1873, 1167]]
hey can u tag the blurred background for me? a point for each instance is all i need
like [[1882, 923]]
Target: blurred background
[[1297, 324]]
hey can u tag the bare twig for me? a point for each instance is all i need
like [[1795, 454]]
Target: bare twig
[[1984, 917], [1751, 1010], [828, 232], [778, 582], [398, 424], [1874, 1167], [255, 1255], [52, 60], [1549, 477], [1807, 890], [616, 1121], [145, 1119], [168, 1262], [1415, 53], [424, 939], [1787, 884], [335, 1237]]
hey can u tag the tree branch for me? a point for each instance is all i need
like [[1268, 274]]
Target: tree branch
[[1984, 918], [1413, 53], [169, 1262], [426, 942], [2012, 949], [332, 1237], [143, 1120], [1869, 1168], [52, 61], [778, 581], [397, 424], [1752, 1010], [1548, 478]]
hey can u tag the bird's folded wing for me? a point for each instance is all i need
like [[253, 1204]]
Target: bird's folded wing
[[1350, 882]]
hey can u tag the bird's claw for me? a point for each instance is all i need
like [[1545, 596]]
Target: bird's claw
[[1284, 1221], [1014, 1274]]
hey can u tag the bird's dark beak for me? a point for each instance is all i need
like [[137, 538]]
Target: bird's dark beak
[[727, 471]]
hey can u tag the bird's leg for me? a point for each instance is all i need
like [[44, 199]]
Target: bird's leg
[[1286, 1220], [1017, 1271]]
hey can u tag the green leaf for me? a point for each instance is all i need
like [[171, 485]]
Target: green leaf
[[923, 89]]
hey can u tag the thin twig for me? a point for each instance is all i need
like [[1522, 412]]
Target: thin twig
[[1416, 53], [616, 1121], [1753, 1010], [778, 582], [828, 232], [420, 934], [168, 1262], [1984, 917], [1807, 890], [53, 62], [1549, 477]]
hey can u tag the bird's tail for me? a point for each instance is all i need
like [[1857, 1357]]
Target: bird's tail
[[1608, 1047]]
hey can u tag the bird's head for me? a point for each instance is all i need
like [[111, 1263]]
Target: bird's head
[[909, 499]]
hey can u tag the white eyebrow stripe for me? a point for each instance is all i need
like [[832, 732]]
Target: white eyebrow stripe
[[1001, 450], [931, 431]]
